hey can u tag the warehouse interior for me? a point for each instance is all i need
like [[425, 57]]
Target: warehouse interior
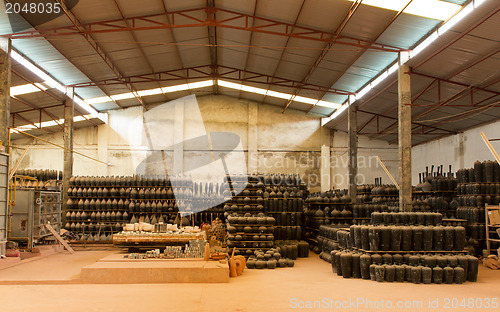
[[212, 153]]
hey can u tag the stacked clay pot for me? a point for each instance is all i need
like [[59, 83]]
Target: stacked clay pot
[[384, 193], [41, 174], [293, 249], [100, 206], [284, 197], [155, 199], [97, 207], [414, 268], [412, 247], [207, 202], [331, 207], [269, 259], [249, 229], [414, 238], [478, 186]]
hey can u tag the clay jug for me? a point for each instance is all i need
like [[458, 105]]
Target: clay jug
[[131, 207]]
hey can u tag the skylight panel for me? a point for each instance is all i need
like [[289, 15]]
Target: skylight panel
[[434, 9]]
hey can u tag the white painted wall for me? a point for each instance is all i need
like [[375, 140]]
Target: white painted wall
[[460, 151], [368, 166], [276, 142]]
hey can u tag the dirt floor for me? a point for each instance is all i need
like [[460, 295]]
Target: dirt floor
[[51, 284]]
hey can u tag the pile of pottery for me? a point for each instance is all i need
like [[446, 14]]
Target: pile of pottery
[[375, 198], [100, 206], [362, 212], [270, 259], [40, 174], [384, 193], [207, 202], [96, 208], [284, 197], [398, 247], [331, 207], [477, 187], [249, 229], [412, 268], [415, 238], [38, 179], [364, 193], [160, 200], [437, 181], [293, 249]]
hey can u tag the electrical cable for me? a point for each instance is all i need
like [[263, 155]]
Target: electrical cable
[[60, 146]]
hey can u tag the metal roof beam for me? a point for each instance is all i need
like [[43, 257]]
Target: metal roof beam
[[284, 49], [35, 108], [374, 40], [413, 122], [55, 97], [366, 123], [138, 45], [212, 41], [337, 33], [167, 17], [150, 22], [97, 48], [204, 72], [31, 123], [462, 35], [466, 86], [438, 51], [250, 43]]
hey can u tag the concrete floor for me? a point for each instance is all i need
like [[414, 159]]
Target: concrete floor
[[256, 290]]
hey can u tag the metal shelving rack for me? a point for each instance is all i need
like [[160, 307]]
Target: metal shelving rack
[[34, 209], [4, 190], [490, 227]]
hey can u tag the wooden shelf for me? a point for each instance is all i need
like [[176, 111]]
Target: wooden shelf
[[488, 226]]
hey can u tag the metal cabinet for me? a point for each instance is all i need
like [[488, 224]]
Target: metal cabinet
[[33, 209]]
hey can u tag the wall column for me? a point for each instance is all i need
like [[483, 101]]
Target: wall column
[[69, 112], [325, 160], [252, 153], [404, 133], [102, 149], [5, 71], [461, 151], [352, 145], [178, 138]]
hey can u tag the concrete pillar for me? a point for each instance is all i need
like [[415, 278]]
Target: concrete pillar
[[325, 160], [178, 138], [325, 168], [404, 133], [69, 112], [352, 145], [102, 149], [252, 137], [5, 70], [461, 151]]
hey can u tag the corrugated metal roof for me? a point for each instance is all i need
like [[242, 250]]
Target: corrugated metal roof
[[464, 61], [273, 52]]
